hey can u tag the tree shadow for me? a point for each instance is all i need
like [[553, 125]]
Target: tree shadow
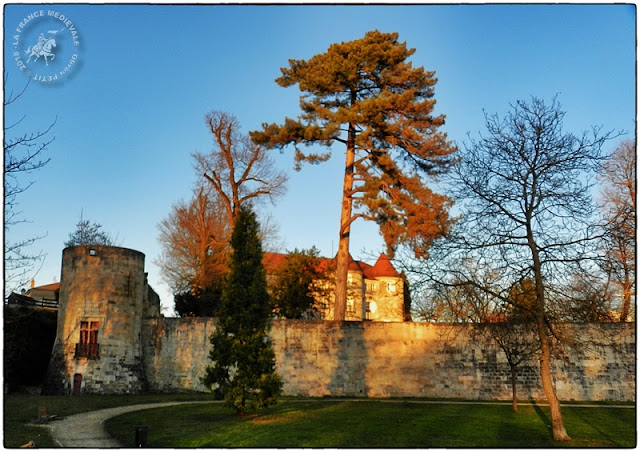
[[543, 416], [349, 377], [597, 425]]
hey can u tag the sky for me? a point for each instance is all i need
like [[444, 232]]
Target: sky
[[129, 110]]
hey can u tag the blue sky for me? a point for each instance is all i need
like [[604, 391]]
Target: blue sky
[[130, 111]]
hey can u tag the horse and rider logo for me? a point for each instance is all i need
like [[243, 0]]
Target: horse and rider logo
[[43, 48], [46, 45]]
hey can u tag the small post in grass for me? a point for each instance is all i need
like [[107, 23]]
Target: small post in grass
[[141, 435]]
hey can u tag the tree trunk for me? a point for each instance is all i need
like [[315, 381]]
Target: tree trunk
[[342, 267], [514, 397], [559, 432], [626, 292]]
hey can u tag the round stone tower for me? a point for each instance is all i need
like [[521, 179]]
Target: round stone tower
[[103, 297]]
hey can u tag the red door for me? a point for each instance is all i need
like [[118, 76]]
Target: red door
[[77, 384]]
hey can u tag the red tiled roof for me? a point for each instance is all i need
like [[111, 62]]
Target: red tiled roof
[[383, 266], [272, 262], [52, 286], [355, 266]]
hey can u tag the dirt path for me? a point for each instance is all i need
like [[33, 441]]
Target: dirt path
[[87, 430]]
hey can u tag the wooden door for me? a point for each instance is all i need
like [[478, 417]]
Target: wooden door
[[77, 384]]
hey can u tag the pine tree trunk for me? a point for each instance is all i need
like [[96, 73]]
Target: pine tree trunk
[[342, 265], [340, 306]]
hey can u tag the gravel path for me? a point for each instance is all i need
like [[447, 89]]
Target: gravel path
[[87, 430]]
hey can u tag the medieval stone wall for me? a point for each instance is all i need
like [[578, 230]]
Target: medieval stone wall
[[177, 352], [137, 350], [325, 358]]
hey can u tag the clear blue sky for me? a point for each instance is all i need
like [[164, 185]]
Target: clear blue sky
[[131, 112]]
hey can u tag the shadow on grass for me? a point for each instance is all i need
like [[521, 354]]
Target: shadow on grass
[[602, 423], [216, 426], [543, 416], [525, 428]]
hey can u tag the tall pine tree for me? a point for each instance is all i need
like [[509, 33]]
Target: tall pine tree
[[367, 96], [243, 370]]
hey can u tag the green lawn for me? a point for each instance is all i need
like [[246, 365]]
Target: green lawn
[[323, 423], [20, 409], [366, 424]]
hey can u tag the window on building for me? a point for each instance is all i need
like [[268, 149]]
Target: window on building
[[391, 287], [372, 307], [351, 306], [88, 346]]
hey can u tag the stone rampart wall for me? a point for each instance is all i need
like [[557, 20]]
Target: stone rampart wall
[[325, 358], [177, 352]]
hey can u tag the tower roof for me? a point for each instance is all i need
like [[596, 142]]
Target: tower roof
[[383, 267]]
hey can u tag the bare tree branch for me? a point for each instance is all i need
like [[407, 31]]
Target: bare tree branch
[[23, 154], [236, 168]]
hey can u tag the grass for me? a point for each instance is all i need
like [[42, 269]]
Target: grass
[[368, 424], [327, 423], [21, 409]]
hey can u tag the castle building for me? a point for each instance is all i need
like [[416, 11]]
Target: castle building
[[377, 293], [112, 339], [107, 309]]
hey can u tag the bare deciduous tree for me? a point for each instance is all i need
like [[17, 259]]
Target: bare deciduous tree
[[473, 292], [23, 155], [524, 190], [195, 235], [237, 169], [195, 241], [619, 209]]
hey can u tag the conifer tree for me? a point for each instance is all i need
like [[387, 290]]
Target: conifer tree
[[367, 96], [243, 370]]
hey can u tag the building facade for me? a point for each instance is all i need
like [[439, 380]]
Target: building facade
[[374, 292]]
